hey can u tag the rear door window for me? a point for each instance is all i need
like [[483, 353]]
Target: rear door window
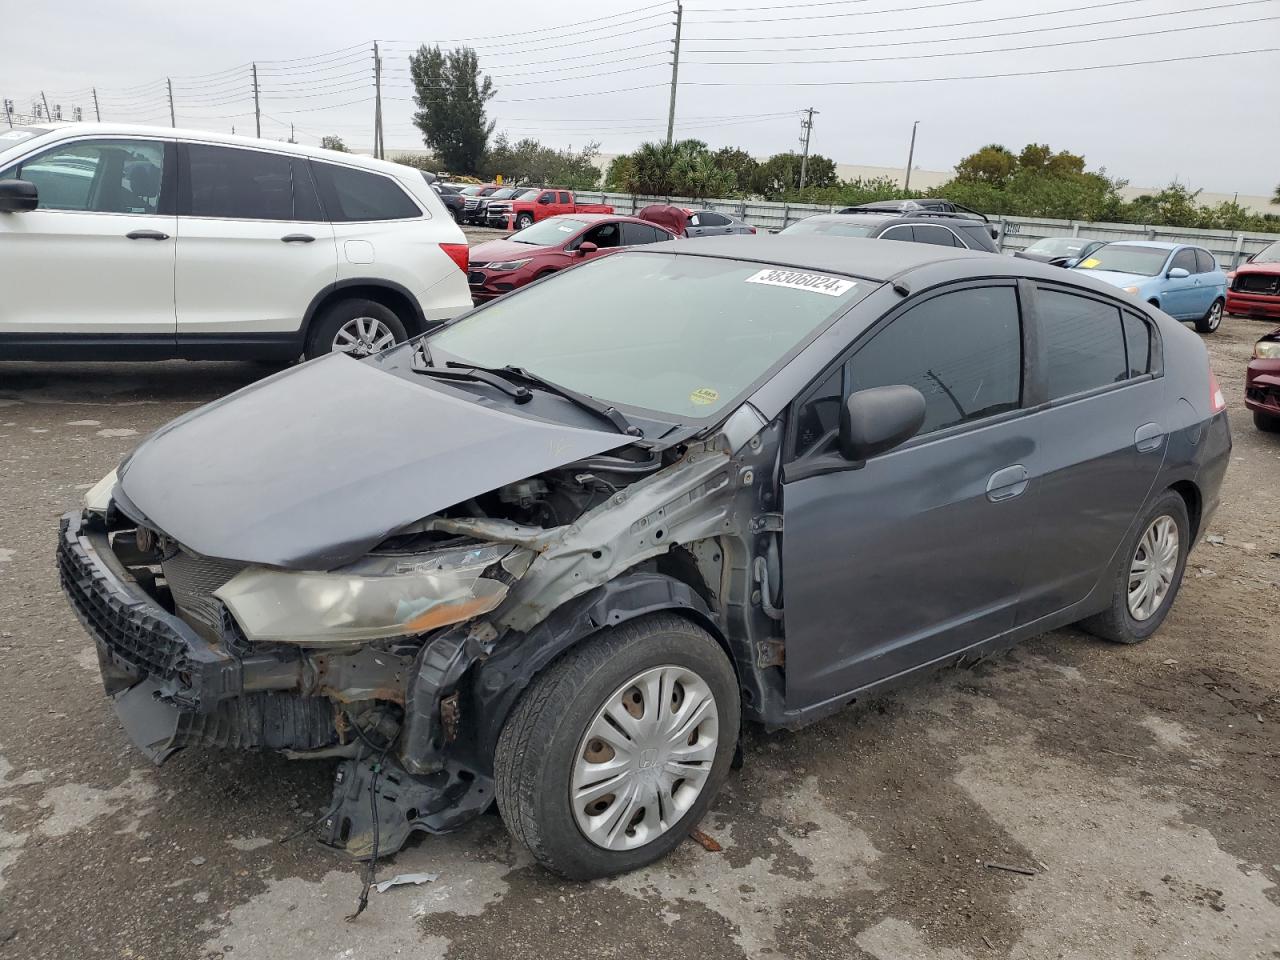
[[931, 233], [710, 218], [633, 233], [1205, 262], [1137, 342], [1083, 343], [351, 195], [231, 183], [565, 198], [900, 232]]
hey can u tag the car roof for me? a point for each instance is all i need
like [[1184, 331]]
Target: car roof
[[224, 139], [1158, 244]]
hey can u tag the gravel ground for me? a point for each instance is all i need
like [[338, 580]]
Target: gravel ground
[[1138, 783]]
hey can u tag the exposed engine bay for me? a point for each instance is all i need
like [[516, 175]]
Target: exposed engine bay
[[403, 664]]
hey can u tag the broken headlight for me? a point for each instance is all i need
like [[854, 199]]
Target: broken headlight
[[98, 497], [380, 596]]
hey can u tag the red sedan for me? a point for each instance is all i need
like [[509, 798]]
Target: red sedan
[[500, 266], [1262, 383], [1254, 288]]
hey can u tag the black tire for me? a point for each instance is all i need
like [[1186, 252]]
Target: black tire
[[524, 221], [541, 738], [1266, 422], [1212, 319], [457, 217], [334, 317], [1116, 623]]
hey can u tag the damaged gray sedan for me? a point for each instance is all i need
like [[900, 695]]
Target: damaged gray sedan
[[552, 555]]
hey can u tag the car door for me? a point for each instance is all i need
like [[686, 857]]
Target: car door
[[918, 553], [1180, 296], [254, 250], [564, 202], [1211, 280], [96, 256], [1100, 435], [707, 223]]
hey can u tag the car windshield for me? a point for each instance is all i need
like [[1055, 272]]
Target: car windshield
[[1059, 246], [469, 191], [834, 228], [1268, 254], [504, 194], [528, 194], [681, 335], [10, 139], [551, 231], [1127, 258]]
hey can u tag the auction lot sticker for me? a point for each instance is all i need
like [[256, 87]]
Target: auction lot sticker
[[797, 280]]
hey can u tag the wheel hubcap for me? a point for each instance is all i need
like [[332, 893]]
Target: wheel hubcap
[[644, 758], [1215, 315], [363, 336], [1152, 570]]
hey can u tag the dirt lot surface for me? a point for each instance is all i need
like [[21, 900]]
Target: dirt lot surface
[[1138, 785]]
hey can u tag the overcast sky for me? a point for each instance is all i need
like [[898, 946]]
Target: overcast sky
[[1209, 122]]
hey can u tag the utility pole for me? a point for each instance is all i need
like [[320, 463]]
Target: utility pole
[[47, 113], [8, 112], [173, 117], [97, 114], [911, 153], [293, 137], [377, 102], [675, 74], [806, 128], [257, 108]]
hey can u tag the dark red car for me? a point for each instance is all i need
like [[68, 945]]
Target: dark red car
[[1262, 383], [1254, 288], [500, 266]]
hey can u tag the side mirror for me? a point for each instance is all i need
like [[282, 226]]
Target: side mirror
[[586, 247], [879, 419], [18, 195], [1178, 273]]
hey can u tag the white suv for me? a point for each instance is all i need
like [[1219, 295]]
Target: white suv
[[127, 242]]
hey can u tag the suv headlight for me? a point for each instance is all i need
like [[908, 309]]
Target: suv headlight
[[1266, 350], [509, 264], [380, 596]]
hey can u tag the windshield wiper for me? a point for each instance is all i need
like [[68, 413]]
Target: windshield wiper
[[590, 404], [462, 371]]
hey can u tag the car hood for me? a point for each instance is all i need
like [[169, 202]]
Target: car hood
[[500, 250], [1268, 268], [1118, 279], [311, 468]]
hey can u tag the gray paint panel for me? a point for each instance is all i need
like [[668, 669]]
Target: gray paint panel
[[312, 467]]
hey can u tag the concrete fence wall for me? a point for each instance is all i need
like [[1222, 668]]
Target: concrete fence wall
[[1016, 233]]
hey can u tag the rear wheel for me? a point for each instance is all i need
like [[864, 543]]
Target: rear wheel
[[524, 221], [1212, 319], [1266, 422], [615, 752], [356, 327], [1147, 574]]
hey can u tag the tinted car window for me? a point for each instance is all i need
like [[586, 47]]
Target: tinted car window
[[1083, 343], [564, 197], [1205, 262], [977, 237], [354, 195], [1137, 341], [900, 232], [239, 184], [1184, 258], [962, 350], [96, 176], [931, 233], [640, 233], [709, 218]]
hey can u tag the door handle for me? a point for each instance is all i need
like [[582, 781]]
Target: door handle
[[297, 238], [146, 235], [1007, 483], [1148, 437]]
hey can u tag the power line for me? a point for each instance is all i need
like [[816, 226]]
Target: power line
[[853, 13], [974, 53], [979, 76], [530, 48]]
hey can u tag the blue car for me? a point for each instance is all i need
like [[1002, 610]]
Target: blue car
[[1183, 281]]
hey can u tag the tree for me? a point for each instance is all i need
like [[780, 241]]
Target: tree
[[1275, 197], [744, 167], [451, 94], [528, 161], [992, 164], [781, 173], [333, 143]]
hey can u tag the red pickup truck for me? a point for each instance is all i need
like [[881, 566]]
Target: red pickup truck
[[526, 208]]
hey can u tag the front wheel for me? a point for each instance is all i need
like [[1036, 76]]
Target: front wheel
[[1212, 319], [614, 753], [1147, 574], [524, 221]]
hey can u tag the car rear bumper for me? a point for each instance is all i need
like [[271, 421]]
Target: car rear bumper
[[1262, 386], [1252, 304]]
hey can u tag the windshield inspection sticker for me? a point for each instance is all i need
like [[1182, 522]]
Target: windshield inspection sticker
[[704, 396], [813, 282], [1090, 263]]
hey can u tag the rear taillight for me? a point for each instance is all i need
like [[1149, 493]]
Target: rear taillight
[[1217, 402], [458, 253]]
